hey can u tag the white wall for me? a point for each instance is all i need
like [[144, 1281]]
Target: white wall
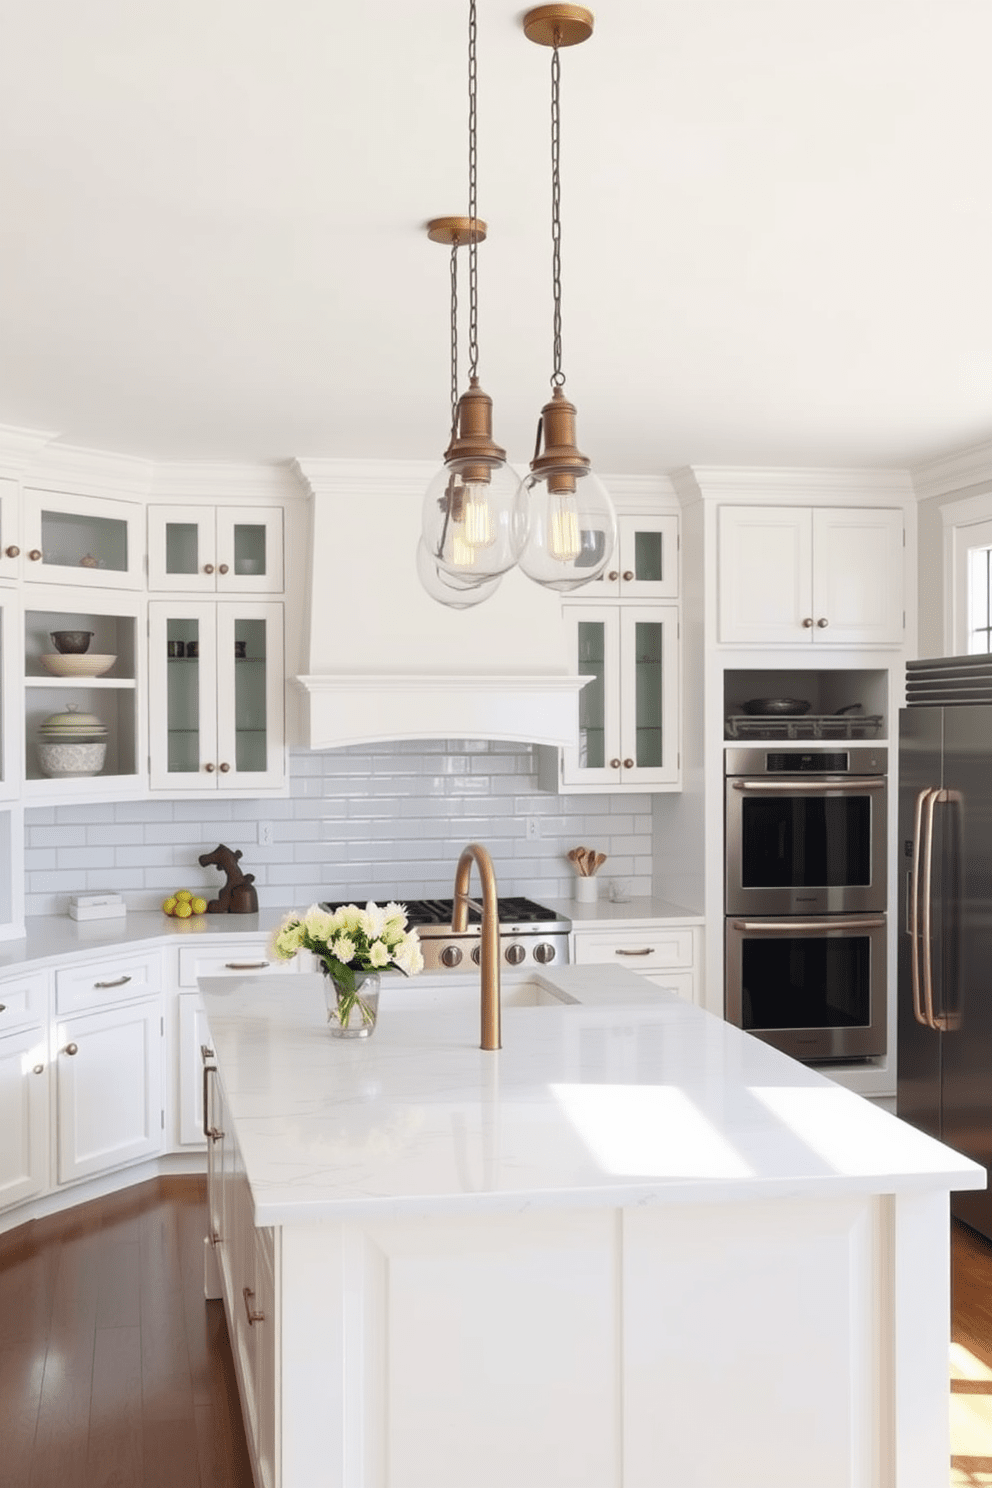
[[385, 820]]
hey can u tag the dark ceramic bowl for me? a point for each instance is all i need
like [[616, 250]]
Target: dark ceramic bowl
[[776, 707], [71, 642]]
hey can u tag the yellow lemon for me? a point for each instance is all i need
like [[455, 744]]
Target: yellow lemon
[[198, 906], [182, 910], [169, 906], [183, 895]]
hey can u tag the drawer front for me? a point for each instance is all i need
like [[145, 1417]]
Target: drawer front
[[250, 957], [101, 983], [22, 1000], [640, 950]]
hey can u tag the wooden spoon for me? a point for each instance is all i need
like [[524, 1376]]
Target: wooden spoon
[[576, 857]]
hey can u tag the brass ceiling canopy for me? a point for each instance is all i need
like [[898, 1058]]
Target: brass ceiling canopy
[[558, 25], [454, 231]]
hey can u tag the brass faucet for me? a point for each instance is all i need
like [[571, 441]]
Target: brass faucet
[[489, 909]]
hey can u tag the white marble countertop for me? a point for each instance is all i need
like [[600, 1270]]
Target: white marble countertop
[[606, 915], [630, 1097]]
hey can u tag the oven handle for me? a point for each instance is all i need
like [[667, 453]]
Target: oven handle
[[817, 787], [810, 927], [913, 907]]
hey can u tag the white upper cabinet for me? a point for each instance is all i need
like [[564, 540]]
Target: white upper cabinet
[[645, 561], [81, 540], [222, 550], [811, 576], [10, 532]]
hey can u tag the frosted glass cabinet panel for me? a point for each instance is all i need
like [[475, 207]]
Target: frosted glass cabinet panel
[[628, 724], [81, 540], [216, 696], [645, 561], [223, 550]]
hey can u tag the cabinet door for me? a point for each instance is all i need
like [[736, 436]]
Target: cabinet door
[[858, 576], [249, 550], [23, 1116], [82, 540], [594, 638], [10, 532], [649, 695], [250, 673], [193, 1036], [765, 592], [649, 557], [109, 1089], [182, 549], [183, 695]]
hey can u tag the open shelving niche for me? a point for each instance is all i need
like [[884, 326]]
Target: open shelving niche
[[826, 691]]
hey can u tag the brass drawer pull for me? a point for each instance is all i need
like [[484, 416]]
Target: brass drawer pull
[[253, 1316], [245, 965], [647, 951], [120, 981]]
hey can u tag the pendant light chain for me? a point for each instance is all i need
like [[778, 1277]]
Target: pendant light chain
[[473, 193], [558, 376]]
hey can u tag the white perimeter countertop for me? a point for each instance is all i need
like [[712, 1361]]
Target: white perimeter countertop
[[630, 1097]]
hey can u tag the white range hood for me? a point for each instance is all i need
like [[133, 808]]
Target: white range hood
[[385, 661]]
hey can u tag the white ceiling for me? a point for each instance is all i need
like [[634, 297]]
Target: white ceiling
[[777, 227]]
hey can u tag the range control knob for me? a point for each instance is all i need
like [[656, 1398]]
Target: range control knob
[[451, 956], [477, 954], [544, 952], [515, 954]]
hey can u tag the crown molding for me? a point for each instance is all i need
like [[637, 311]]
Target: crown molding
[[87, 472], [18, 447], [957, 472], [813, 484], [226, 481], [330, 477]]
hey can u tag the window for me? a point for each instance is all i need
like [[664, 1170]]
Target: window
[[968, 576], [979, 584]]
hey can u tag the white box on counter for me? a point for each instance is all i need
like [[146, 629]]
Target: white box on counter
[[98, 904]]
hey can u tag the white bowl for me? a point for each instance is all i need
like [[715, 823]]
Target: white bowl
[[62, 664], [62, 761]]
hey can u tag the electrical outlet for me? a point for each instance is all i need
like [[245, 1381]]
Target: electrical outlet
[[265, 834], [533, 828]]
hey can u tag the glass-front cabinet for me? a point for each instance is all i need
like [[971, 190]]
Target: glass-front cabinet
[[10, 532], [81, 540], [223, 550], [216, 696], [628, 726], [645, 561], [10, 681]]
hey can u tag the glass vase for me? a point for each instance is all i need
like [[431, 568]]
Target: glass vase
[[352, 1014]]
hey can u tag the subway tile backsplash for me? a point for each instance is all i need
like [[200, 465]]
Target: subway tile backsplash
[[382, 820]]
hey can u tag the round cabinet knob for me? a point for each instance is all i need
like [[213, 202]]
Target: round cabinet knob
[[451, 956], [613, 575], [628, 574], [822, 623], [477, 954], [209, 767], [808, 622], [39, 1069], [223, 568], [35, 555], [544, 952], [3, 1007], [614, 764], [208, 568], [628, 764], [515, 954], [224, 767], [72, 1048], [12, 551]]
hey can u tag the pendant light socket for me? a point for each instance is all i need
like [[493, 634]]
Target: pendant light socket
[[474, 445], [561, 460]]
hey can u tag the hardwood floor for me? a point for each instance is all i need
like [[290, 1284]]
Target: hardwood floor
[[114, 1372]]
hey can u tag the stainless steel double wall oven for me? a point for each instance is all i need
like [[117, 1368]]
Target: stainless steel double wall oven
[[805, 898]]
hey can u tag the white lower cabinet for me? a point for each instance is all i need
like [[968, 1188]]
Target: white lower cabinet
[[108, 1072], [664, 954], [23, 1115]]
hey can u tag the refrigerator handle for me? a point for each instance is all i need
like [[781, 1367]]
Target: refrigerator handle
[[913, 907], [949, 1017], [926, 910]]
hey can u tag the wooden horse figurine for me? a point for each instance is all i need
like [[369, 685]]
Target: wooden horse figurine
[[238, 896]]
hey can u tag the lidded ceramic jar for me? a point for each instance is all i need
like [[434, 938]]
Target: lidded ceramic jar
[[72, 743]]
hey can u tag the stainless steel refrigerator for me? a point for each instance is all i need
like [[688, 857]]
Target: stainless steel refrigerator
[[945, 929]]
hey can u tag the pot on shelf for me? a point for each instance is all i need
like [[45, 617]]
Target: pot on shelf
[[71, 744]]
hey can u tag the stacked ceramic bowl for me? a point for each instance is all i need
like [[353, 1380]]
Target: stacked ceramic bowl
[[71, 744], [72, 656]]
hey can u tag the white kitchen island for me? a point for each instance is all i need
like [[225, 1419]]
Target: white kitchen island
[[634, 1248]]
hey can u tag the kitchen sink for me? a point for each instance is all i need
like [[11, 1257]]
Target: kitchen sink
[[458, 991]]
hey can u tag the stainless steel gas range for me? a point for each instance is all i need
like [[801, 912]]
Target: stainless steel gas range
[[529, 934]]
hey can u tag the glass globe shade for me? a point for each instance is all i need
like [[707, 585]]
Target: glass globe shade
[[458, 593], [571, 527], [473, 522]]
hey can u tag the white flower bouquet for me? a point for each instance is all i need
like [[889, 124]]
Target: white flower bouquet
[[351, 943]]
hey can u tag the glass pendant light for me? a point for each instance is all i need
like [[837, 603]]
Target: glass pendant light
[[571, 523], [474, 522]]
